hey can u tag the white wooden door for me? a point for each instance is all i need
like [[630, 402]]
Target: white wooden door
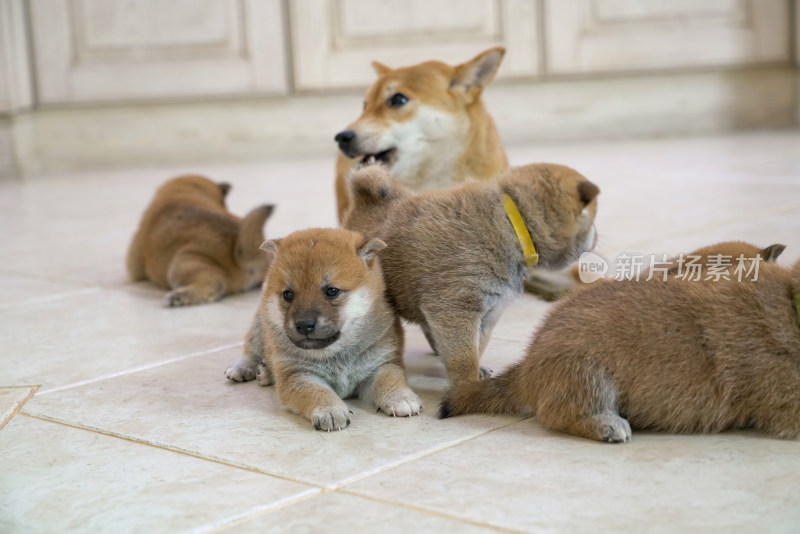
[[15, 77], [94, 50], [612, 35], [335, 41]]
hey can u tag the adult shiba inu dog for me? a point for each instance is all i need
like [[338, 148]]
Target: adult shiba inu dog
[[187, 241], [667, 355], [456, 257], [427, 124], [324, 331]]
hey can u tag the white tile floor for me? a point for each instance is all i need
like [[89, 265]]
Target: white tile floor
[[115, 415]]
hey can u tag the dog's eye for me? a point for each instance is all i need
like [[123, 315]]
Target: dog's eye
[[365, 105], [332, 292], [288, 295], [397, 100]]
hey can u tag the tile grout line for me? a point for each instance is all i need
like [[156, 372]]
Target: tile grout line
[[51, 298], [181, 452], [426, 511], [141, 368], [20, 404], [411, 458], [221, 526], [59, 279]]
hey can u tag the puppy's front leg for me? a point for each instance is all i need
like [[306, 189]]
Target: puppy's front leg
[[457, 336], [388, 390], [309, 396], [248, 367]]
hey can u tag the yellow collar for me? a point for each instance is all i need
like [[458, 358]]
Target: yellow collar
[[528, 250]]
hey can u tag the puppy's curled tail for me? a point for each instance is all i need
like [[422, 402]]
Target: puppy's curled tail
[[497, 395], [372, 191]]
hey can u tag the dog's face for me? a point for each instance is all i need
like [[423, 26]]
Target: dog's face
[[412, 114], [321, 287], [559, 206]]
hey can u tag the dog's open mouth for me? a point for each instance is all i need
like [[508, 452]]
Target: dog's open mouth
[[387, 157], [311, 343]]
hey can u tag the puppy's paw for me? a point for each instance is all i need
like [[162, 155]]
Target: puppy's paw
[[242, 370], [331, 417], [400, 403], [184, 296], [189, 296], [618, 431], [484, 373], [264, 375]]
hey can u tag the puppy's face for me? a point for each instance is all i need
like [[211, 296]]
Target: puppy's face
[[560, 205], [321, 287]]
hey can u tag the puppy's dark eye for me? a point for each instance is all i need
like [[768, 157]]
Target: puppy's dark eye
[[288, 295], [397, 100], [332, 292], [365, 105]]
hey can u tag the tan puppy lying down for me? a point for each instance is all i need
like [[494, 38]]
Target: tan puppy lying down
[[324, 331], [188, 242], [672, 356]]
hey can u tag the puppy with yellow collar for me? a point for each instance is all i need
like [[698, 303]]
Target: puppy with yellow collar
[[455, 257]]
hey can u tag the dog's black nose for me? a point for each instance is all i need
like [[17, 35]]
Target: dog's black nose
[[344, 138], [305, 326]]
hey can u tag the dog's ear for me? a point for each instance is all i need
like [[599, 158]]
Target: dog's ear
[[271, 245], [471, 77], [380, 68], [369, 248], [771, 253], [587, 191], [225, 187]]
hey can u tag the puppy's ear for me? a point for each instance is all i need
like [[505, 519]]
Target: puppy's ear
[[587, 191], [271, 245], [772, 252], [471, 77], [380, 68], [225, 187], [369, 248]]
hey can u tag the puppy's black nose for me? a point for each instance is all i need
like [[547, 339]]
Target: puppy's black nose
[[305, 326], [345, 138]]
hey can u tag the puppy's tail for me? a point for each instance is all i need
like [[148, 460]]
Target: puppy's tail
[[372, 191], [497, 395]]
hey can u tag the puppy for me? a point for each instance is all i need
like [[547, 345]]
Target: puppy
[[722, 257], [672, 356], [187, 241], [454, 258], [324, 331], [427, 124]]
